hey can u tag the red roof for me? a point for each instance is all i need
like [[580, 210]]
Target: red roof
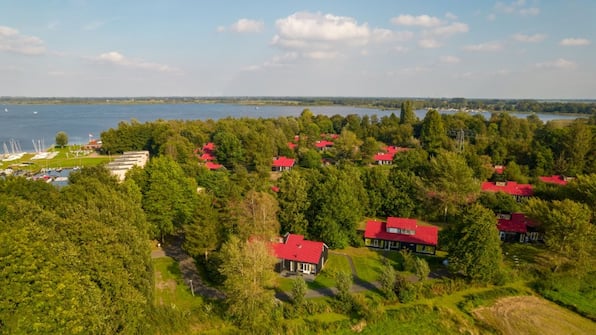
[[292, 145], [383, 157], [207, 157], [554, 179], [427, 235], [323, 144], [401, 223], [393, 149], [509, 187], [296, 248], [283, 161], [517, 224], [213, 166], [499, 169], [275, 188], [209, 147]]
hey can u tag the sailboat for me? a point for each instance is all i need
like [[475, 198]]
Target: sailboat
[[5, 110]]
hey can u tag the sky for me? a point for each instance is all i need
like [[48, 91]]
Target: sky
[[535, 49]]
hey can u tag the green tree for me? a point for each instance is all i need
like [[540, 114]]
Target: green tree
[[422, 268], [228, 149], [61, 139], [299, 291], [474, 245], [432, 133], [248, 269], [451, 181], [293, 203], [407, 115], [568, 228], [387, 280], [202, 234], [169, 198]]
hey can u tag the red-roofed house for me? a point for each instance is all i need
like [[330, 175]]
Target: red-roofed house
[[556, 179], [401, 233], [298, 255], [208, 156], [323, 144], [282, 163], [517, 227], [292, 145], [519, 191], [386, 158]]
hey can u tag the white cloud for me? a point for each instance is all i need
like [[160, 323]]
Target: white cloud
[[319, 36], [450, 59], [400, 49], [491, 17], [574, 42], [487, 47], [316, 26], [529, 38], [244, 26], [13, 41], [518, 7], [450, 29], [116, 58], [429, 43], [387, 35], [560, 63], [419, 21]]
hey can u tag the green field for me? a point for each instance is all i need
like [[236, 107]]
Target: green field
[[67, 157]]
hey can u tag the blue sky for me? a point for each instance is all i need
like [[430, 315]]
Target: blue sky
[[474, 49]]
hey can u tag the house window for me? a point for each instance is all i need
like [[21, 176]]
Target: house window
[[425, 249], [376, 243]]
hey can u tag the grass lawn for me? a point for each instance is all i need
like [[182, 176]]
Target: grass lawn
[[325, 279], [67, 157], [170, 287]]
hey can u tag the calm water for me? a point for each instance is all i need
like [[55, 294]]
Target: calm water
[[40, 123]]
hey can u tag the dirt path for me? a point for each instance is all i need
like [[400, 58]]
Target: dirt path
[[173, 248]]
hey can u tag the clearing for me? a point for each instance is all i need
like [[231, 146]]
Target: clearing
[[533, 315]]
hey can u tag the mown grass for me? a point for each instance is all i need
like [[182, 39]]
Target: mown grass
[[66, 158]]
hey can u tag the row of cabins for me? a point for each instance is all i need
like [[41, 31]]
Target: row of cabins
[[129, 159]]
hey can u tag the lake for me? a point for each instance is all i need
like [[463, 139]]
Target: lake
[[25, 124]]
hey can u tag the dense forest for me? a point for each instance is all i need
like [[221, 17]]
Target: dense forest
[[76, 259]]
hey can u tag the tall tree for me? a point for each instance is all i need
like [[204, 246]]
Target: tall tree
[[248, 269], [293, 203], [451, 181], [407, 115], [432, 133], [474, 245], [169, 197], [568, 228]]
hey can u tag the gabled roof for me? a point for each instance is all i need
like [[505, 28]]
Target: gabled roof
[[209, 147], [213, 166], [292, 145], [499, 169], [391, 149], [296, 248], [323, 144], [554, 179], [509, 187], [517, 224], [207, 157], [383, 157], [427, 235], [283, 161]]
